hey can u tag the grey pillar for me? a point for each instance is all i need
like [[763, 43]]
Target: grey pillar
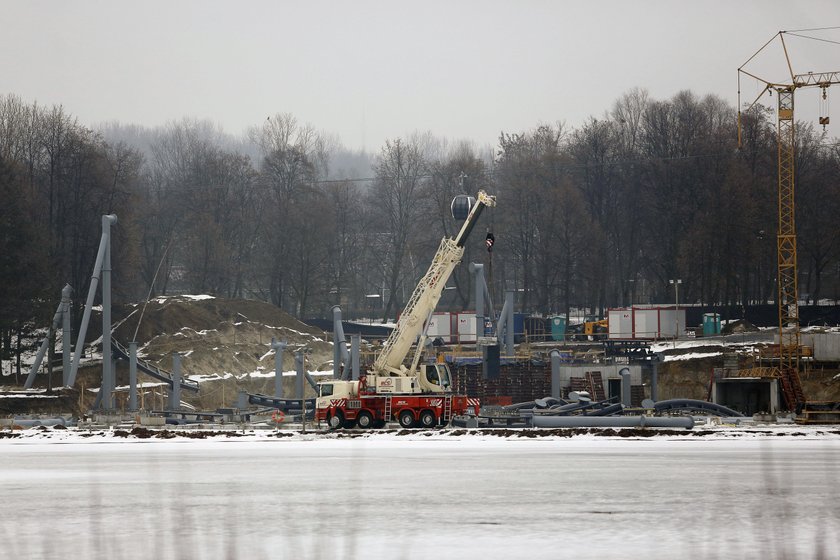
[[279, 348], [66, 334], [774, 396], [654, 379], [478, 270], [505, 327], [175, 392], [60, 318], [113, 380], [625, 386], [242, 400], [355, 351], [501, 326], [555, 374], [299, 367], [132, 376], [107, 362], [30, 379], [340, 354], [509, 340], [104, 243]]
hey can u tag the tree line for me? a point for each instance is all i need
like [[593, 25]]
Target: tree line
[[597, 216]]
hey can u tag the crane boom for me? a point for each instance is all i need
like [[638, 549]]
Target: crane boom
[[426, 295]]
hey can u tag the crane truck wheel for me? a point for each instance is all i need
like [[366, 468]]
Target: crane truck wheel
[[406, 419], [427, 419], [336, 420], [364, 420]]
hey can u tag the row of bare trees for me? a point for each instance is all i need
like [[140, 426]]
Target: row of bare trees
[[596, 216]]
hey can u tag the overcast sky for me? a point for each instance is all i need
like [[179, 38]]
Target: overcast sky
[[371, 70]]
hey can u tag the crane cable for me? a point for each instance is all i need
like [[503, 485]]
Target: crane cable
[[152, 285]]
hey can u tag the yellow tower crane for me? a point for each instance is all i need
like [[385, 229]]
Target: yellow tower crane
[[788, 295]]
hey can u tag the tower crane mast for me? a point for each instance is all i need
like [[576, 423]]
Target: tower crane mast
[[788, 294]]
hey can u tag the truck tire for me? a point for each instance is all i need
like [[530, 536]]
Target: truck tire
[[406, 419], [364, 420], [427, 419], [336, 421]]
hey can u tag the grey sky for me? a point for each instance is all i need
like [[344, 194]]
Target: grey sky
[[370, 70]]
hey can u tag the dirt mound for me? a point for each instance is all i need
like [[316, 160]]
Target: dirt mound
[[739, 326], [169, 315], [225, 340]]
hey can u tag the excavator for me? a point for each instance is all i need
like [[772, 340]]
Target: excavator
[[417, 394]]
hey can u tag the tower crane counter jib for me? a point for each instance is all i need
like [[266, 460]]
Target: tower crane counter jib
[[417, 394]]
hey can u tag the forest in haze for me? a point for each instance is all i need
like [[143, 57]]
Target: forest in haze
[[597, 216]]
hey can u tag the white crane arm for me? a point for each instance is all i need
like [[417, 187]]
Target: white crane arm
[[426, 295]]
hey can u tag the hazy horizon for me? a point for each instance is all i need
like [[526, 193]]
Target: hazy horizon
[[368, 71]]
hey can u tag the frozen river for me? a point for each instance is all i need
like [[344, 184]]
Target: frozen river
[[434, 497]]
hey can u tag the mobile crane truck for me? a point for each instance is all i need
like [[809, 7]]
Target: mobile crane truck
[[419, 395]]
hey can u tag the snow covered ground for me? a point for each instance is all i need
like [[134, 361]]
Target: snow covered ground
[[749, 493]]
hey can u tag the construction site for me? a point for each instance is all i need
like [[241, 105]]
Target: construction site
[[199, 361], [614, 335]]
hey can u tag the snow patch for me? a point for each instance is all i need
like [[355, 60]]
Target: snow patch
[[691, 356]]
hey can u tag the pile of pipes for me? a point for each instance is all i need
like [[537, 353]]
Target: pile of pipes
[[578, 411]]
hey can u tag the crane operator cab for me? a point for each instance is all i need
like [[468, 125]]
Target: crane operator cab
[[435, 378]]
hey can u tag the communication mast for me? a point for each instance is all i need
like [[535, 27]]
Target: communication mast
[[788, 295]]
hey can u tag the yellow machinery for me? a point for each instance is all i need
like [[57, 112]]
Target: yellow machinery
[[788, 295], [595, 327]]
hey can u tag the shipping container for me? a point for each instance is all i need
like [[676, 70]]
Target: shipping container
[[440, 326], [466, 327], [645, 323]]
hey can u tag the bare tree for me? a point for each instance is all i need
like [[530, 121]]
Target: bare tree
[[400, 171]]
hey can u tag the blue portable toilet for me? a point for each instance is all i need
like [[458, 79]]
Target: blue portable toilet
[[711, 324]]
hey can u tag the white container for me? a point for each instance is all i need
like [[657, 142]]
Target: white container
[[466, 327], [645, 323]]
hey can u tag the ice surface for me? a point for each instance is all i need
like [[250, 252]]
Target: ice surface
[[429, 495]]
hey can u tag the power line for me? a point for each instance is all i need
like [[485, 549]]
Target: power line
[[492, 173]]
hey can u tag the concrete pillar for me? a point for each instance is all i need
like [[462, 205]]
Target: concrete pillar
[[108, 377], [555, 373], [478, 270], [66, 334], [509, 303], [175, 392], [654, 380], [279, 348], [104, 243], [132, 376], [774, 396], [355, 355], [60, 318], [339, 346], [242, 400], [626, 384], [299, 368]]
